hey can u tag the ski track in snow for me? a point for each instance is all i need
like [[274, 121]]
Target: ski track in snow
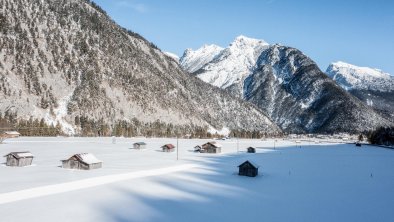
[[86, 183]]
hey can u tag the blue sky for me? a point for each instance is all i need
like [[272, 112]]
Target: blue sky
[[358, 32]]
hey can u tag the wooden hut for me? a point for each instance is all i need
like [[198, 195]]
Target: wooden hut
[[211, 147], [168, 148], [251, 149], [139, 145], [82, 161], [19, 159], [249, 169]]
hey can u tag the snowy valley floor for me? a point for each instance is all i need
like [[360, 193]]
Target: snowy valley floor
[[317, 182]]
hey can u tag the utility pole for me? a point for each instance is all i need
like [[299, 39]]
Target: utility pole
[[113, 122], [237, 145]]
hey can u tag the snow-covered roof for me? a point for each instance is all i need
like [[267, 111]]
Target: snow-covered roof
[[87, 158], [12, 133], [215, 144], [19, 155], [251, 162], [169, 146]]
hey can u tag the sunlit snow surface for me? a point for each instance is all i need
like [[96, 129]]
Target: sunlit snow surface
[[317, 182]]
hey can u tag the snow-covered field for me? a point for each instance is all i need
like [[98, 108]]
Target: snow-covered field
[[317, 182]]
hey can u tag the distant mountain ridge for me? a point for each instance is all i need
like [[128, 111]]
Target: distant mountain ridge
[[67, 62], [285, 84], [372, 86], [350, 77]]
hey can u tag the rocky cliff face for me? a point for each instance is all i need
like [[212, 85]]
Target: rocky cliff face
[[65, 59], [289, 87], [299, 97]]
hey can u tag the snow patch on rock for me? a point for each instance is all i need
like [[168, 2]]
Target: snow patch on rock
[[223, 132], [60, 115], [172, 55]]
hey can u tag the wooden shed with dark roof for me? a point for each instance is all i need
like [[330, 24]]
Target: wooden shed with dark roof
[[139, 145], [19, 159], [82, 161], [249, 169], [251, 149], [168, 148]]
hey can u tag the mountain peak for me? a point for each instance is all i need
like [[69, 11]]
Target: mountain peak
[[243, 40], [365, 71], [194, 60], [350, 76], [356, 71], [225, 67]]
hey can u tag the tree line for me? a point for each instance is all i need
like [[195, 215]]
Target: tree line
[[88, 127], [382, 136], [30, 127]]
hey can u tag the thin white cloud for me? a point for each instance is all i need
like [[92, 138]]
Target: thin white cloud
[[138, 7]]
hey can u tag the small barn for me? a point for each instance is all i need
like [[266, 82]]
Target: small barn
[[251, 150], [211, 147], [82, 161], [19, 159], [168, 148], [139, 145], [249, 169]]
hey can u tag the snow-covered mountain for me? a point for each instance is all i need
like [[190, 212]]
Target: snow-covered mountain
[[350, 77], [194, 60], [372, 86], [67, 62], [225, 68], [287, 85]]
